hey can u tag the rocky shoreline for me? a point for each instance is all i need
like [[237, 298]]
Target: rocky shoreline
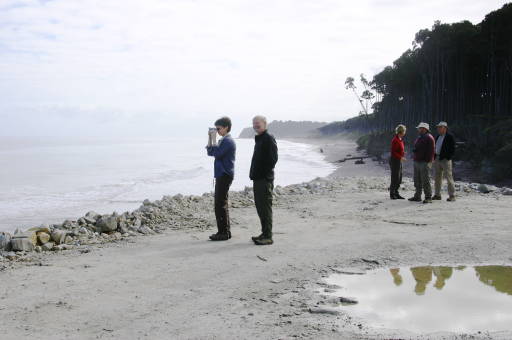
[[169, 213]]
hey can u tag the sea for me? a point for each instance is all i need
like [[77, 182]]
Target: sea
[[50, 179]]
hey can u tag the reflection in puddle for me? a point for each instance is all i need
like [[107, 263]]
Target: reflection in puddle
[[431, 298]]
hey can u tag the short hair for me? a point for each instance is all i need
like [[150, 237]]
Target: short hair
[[225, 122], [262, 118], [400, 129]]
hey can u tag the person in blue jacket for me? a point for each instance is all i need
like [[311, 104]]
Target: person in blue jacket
[[224, 153]]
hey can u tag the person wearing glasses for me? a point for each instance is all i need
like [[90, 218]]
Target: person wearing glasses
[[224, 171]]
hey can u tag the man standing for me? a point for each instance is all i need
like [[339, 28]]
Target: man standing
[[224, 153], [263, 162], [424, 149], [445, 148]]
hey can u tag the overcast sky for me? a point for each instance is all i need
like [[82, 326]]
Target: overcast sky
[[154, 67]]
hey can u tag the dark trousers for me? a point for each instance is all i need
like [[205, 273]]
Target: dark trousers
[[263, 199], [396, 175], [222, 185]]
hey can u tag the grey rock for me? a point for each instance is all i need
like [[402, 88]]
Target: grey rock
[[483, 188], [506, 191], [58, 236], [106, 224], [22, 244], [91, 217], [145, 230], [47, 246], [5, 241]]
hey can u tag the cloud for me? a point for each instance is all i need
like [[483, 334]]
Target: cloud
[[192, 60]]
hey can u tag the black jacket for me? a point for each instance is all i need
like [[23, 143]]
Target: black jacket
[[448, 147], [264, 158]]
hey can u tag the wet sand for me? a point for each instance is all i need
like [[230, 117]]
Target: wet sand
[[177, 285]]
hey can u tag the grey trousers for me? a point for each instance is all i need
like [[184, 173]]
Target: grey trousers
[[422, 179], [443, 168]]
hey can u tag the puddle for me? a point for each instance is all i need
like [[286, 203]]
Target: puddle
[[431, 298]]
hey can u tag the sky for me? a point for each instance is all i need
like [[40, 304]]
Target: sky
[[171, 67]]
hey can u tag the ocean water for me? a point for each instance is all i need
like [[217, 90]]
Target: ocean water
[[47, 180]]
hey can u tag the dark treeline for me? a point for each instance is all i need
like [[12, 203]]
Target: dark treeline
[[460, 73]]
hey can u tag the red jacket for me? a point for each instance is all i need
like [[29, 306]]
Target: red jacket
[[397, 148], [424, 148]]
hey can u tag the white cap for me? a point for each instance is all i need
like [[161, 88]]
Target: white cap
[[423, 125], [445, 124]]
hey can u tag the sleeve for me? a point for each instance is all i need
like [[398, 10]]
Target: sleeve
[[271, 154], [219, 151]]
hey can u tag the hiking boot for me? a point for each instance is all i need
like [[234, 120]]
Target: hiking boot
[[427, 200], [229, 235], [415, 199], [255, 238], [451, 199], [264, 242], [393, 196], [436, 198], [219, 237]]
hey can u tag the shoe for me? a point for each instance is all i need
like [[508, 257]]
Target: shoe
[[219, 237], [393, 197], [427, 200], [229, 235], [398, 197], [255, 238], [436, 198], [451, 199], [264, 242], [415, 199]]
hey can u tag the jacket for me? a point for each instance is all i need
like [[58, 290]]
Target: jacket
[[448, 147], [264, 158], [424, 148], [224, 154], [397, 148]]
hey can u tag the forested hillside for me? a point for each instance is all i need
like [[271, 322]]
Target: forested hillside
[[460, 73]]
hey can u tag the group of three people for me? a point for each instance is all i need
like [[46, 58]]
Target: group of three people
[[427, 152], [261, 173]]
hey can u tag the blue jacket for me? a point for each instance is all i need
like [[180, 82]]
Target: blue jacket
[[224, 154]]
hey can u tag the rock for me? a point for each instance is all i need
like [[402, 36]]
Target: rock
[[10, 256], [68, 239], [43, 229], [145, 230], [91, 217], [5, 241], [21, 243], [506, 191], [43, 237], [38, 249], [347, 301], [47, 246], [483, 188], [316, 310], [106, 224], [58, 236]]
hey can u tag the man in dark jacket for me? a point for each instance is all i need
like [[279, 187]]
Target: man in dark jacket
[[445, 148], [263, 162], [424, 149]]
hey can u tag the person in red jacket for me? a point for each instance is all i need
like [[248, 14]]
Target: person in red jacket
[[424, 151], [395, 161]]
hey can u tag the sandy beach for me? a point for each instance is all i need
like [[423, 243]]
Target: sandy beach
[[174, 284]]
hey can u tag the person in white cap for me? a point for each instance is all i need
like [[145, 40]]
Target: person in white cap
[[445, 148], [424, 148]]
